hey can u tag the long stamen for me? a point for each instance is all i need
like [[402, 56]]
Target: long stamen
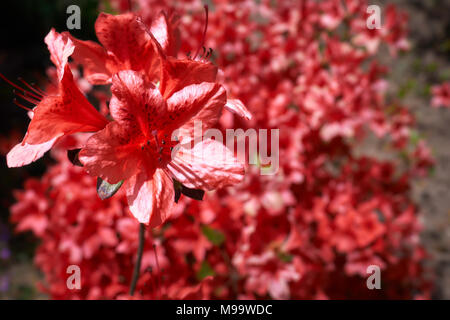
[[31, 97], [204, 32], [11, 83], [39, 92], [147, 30], [26, 98], [21, 105]]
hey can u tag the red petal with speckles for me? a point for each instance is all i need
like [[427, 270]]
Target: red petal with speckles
[[125, 38], [111, 154], [66, 113]]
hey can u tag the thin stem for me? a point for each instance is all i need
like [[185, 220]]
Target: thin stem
[[234, 275], [137, 266]]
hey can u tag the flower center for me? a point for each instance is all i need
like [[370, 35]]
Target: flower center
[[157, 149]]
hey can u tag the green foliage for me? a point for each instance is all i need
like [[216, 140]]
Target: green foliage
[[106, 190], [216, 237], [205, 271]]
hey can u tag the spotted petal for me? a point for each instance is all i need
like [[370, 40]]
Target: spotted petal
[[66, 113], [135, 104], [111, 154], [125, 38]]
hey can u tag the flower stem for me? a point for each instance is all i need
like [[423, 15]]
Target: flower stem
[[234, 275], [137, 266]]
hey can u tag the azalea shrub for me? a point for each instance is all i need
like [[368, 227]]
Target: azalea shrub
[[309, 231]]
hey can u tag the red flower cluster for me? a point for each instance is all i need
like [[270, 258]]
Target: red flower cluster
[[308, 232], [441, 95], [155, 98]]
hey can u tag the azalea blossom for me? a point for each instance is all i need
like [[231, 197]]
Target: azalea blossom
[[441, 95], [308, 232], [65, 112], [125, 46], [137, 146]]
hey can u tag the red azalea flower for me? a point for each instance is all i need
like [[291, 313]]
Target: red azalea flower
[[126, 46], [55, 115], [137, 146], [308, 232], [441, 95]]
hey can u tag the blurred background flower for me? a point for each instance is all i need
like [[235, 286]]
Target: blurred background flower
[[364, 169]]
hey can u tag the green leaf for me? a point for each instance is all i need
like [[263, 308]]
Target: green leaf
[[414, 137], [432, 67], [293, 106], [406, 88], [285, 257], [107, 8], [205, 271], [106, 190], [216, 237], [432, 171]]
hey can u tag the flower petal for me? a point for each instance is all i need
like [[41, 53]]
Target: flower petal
[[24, 153], [163, 31], [110, 154], [207, 165], [177, 74], [150, 200], [97, 67], [236, 106], [60, 48], [66, 113], [123, 36], [196, 102], [135, 104]]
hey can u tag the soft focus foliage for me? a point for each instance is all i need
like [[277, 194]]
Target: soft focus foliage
[[310, 231]]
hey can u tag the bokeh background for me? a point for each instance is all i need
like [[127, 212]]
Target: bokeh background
[[23, 53]]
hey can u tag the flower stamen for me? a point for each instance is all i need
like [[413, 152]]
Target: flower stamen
[[33, 88], [33, 96], [202, 43]]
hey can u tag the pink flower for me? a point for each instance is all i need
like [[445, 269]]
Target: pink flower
[[441, 95], [56, 115], [125, 46], [138, 147]]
